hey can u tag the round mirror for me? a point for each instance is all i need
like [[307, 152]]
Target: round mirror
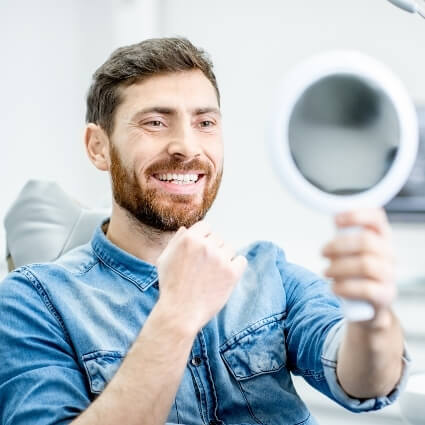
[[345, 134], [345, 137]]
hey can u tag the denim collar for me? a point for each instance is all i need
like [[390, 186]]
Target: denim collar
[[139, 272]]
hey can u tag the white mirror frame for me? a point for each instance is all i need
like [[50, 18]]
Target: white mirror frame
[[377, 75]]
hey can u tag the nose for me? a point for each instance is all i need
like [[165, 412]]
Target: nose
[[184, 142]]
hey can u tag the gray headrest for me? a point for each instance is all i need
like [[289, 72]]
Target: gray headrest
[[44, 223]]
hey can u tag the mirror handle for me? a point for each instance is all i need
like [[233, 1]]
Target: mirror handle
[[355, 310]]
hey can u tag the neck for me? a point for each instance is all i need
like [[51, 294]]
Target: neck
[[130, 235]]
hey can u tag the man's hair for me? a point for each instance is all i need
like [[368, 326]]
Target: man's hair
[[134, 63]]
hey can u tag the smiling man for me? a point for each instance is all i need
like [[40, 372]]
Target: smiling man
[[157, 319]]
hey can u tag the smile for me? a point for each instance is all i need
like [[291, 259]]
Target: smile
[[180, 183], [178, 178]]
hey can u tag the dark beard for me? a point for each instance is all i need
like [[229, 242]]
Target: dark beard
[[145, 205]]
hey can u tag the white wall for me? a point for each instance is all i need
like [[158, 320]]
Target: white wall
[[50, 49]]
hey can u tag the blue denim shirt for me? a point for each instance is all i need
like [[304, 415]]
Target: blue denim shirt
[[66, 327]]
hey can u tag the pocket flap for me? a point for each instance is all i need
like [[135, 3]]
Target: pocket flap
[[101, 366], [256, 350]]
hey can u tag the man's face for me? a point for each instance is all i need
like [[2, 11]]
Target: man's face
[[166, 150]]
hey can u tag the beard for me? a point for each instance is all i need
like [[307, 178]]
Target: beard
[[154, 208]]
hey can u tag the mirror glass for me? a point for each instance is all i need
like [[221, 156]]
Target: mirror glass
[[343, 134]]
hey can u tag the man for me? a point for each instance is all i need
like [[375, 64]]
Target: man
[[158, 319]]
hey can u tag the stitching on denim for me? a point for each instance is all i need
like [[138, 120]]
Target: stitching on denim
[[202, 394], [328, 362], [251, 328], [318, 376], [90, 379], [197, 392], [129, 278], [248, 405], [305, 420], [266, 372], [46, 299], [91, 355], [88, 267], [111, 263], [177, 410], [210, 375]]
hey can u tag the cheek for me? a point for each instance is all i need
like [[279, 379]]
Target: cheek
[[137, 164], [216, 154]]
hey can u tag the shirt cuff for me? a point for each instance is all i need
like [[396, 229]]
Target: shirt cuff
[[329, 360]]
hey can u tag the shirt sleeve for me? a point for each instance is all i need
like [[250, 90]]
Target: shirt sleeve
[[314, 328], [329, 359], [40, 381]]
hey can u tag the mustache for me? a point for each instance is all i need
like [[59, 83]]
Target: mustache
[[172, 164]]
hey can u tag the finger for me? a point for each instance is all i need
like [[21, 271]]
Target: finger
[[201, 228], [378, 294], [362, 242], [374, 219], [215, 240], [360, 266], [239, 264], [227, 252]]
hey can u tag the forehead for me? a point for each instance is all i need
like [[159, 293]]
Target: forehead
[[190, 89]]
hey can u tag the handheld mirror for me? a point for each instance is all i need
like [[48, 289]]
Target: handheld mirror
[[345, 137]]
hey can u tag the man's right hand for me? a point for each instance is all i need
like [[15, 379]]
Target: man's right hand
[[197, 273]]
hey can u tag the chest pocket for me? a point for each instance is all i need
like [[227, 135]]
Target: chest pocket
[[100, 367], [256, 359]]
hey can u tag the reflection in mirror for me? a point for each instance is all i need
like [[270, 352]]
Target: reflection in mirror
[[344, 134]]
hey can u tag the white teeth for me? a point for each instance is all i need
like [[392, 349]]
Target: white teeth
[[179, 178]]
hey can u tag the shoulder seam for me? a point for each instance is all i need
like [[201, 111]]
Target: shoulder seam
[[45, 298]]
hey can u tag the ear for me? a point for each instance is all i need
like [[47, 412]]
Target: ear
[[97, 146]]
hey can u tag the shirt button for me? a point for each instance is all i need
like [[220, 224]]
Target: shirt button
[[196, 361]]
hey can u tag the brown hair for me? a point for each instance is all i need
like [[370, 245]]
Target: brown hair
[[133, 63]]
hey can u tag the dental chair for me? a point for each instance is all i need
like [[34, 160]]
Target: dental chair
[[44, 223]]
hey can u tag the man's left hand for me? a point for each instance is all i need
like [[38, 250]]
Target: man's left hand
[[362, 263]]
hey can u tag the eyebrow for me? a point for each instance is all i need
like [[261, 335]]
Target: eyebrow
[[171, 111]]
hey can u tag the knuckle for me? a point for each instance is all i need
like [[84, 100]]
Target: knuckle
[[191, 241], [186, 240], [365, 241], [365, 264], [230, 253], [205, 248]]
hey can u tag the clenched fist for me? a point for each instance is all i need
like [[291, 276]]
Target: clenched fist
[[362, 263], [197, 273]]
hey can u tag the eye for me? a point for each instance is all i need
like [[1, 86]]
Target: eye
[[155, 123], [206, 124]]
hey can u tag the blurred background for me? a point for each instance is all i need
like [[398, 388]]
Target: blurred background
[[49, 50]]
